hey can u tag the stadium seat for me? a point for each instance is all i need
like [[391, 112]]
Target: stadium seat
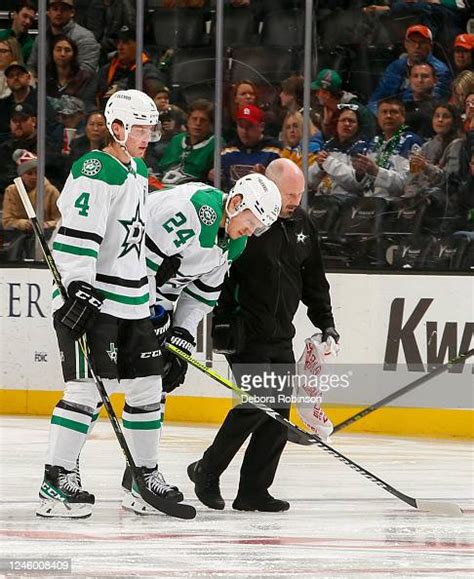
[[324, 211], [239, 27], [192, 66], [261, 64], [404, 217], [411, 252], [180, 27], [283, 28], [360, 228], [448, 253]]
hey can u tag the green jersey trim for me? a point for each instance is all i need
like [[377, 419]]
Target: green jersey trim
[[71, 424], [101, 167], [236, 247], [129, 300], [151, 264], [210, 303], [142, 169], [75, 250], [208, 204]]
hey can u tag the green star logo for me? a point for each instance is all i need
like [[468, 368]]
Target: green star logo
[[135, 228]]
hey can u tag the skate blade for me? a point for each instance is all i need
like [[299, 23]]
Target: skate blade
[[56, 509], [137, 505]]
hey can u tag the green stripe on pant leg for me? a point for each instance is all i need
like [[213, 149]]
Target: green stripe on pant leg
[[148, 425], [71, 424]]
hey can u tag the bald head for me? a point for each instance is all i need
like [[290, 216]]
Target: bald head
[[289, 179]]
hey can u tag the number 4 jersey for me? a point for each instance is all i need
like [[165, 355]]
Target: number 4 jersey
[[185, 222], [102, 233]]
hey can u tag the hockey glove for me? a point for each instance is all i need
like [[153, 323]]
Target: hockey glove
[[331, 338], [228, 334], [175, 368], [80, 309], [167, 270], [161, 320]]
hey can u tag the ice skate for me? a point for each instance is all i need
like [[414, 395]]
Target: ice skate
[[62, 496], [206, 486], [155, 482]]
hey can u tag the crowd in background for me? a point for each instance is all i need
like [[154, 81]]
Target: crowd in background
[[408, 136]]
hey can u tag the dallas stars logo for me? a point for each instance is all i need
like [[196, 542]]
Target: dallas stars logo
[[135, 231], [112, 352], [301, 237]]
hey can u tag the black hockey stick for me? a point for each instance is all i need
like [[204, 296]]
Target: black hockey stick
[[437, 507], [404, 390], [179, 510]]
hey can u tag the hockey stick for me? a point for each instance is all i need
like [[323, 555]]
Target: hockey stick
[[168, 507], [436, 507], [404, 390]]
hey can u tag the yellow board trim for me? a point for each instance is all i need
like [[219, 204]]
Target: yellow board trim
[[434, 422]]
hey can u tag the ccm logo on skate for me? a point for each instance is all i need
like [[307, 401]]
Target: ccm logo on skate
[[153, 354]]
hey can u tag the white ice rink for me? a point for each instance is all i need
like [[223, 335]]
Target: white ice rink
[[340, 524]]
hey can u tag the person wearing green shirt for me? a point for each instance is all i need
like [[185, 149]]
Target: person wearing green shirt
[[22, 17]]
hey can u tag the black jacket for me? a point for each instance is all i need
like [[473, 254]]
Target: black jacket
[[276, 271]]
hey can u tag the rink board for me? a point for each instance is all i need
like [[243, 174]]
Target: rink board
[[394, 329]]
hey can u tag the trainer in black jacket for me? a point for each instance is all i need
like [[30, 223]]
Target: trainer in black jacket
[[253, 322]]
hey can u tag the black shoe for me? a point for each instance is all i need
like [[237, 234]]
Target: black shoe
[[206, 486], [260, 502]]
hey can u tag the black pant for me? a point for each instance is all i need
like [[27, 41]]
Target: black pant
[[268, 436]]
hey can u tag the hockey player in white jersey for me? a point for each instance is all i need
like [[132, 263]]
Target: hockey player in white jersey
[[100, 253], [194, 233]]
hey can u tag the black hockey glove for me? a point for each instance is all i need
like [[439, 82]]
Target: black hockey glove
[[330, 333], [228, 334], [175, 368], [167, 270], [161, 320], [80, 309]]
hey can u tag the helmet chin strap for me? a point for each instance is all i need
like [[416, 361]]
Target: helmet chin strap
[[123, 143]]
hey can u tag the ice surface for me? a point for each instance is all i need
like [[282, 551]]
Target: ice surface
[[340, 524]]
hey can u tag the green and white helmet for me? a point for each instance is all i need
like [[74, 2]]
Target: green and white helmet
[[132, 107], [260, 195]]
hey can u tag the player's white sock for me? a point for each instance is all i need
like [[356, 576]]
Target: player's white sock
[[142, 430], [70, 424]]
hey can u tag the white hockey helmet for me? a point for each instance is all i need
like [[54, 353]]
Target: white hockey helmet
[[260, 195], [132, 107]]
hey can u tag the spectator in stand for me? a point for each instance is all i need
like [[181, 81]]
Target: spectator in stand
[[22, 17], [395, 79], [291, 138], [93, 138], [64, 77], [162, 98], [119, 74], [190, 155], [61, 21], [291, 94], [105, 18], [243, 93], [19, 81], [469, 112], [461, 86], [333, 173], [9, 52], [328, 89], [22, 136], [14, 216], [419, 111], [251, 151], [438, 157], [463, 52], [173, 121], [383, 171]]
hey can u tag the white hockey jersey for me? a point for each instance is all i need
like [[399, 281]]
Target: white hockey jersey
[[102, 236], [184, 222]]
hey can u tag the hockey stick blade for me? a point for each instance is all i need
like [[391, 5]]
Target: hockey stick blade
[[178, 510], [431, 506]]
